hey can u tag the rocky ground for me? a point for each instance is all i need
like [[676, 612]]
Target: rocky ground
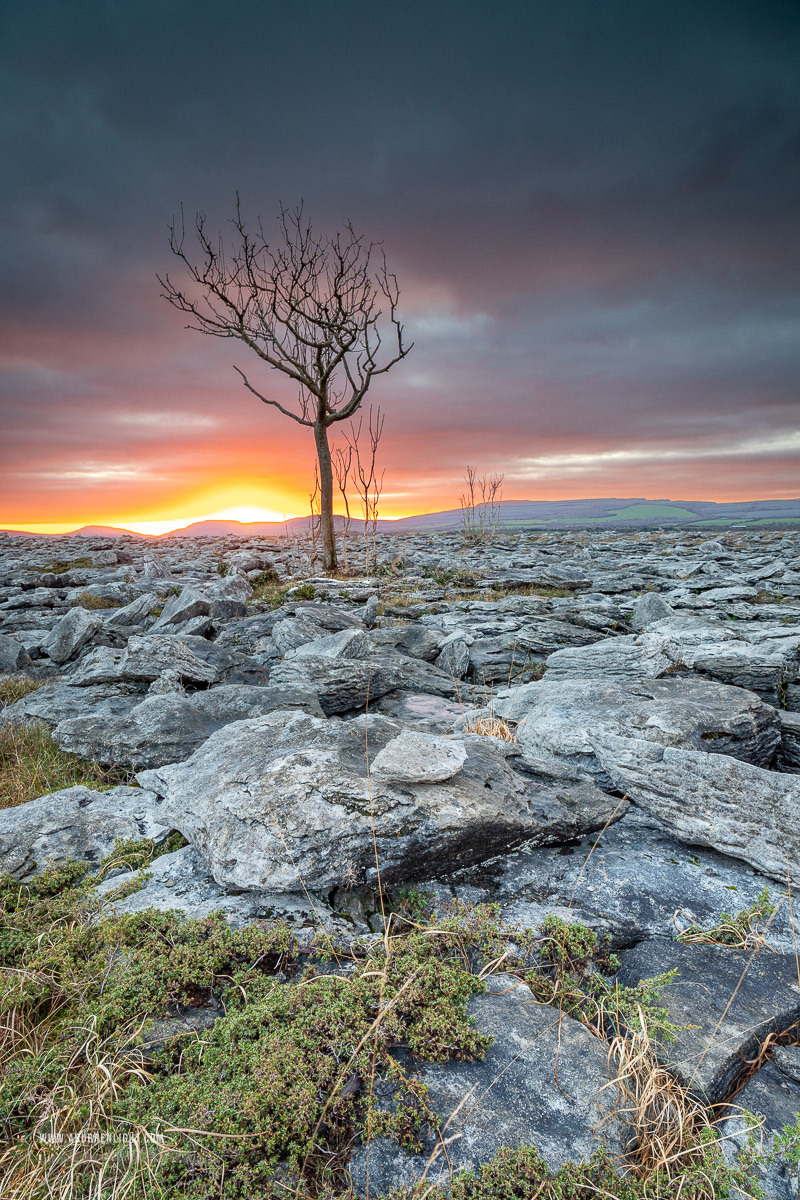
[[604, 727]]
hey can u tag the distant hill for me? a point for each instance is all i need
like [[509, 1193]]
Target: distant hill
[[633, 513]]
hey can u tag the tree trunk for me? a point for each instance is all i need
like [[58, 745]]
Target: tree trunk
[[326, 496]]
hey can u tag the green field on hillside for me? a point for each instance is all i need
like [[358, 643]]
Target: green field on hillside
[[655, 512]]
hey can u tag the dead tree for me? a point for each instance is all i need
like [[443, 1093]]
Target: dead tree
[[314, 521], [342, 465], [480, 506], [368, 483], [310, 307]]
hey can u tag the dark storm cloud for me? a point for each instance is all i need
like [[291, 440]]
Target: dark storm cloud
[[592, 207]]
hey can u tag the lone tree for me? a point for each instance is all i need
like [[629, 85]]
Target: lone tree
[[311, 307]]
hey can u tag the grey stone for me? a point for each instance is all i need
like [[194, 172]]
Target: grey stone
[[414, 640], [182, 882], [454, 656], [13, 655], [774, 1099], [168, 726], [563, 718], [617, 660], [189, 603], [726, 1001], [146, 657], [414, 757], [75, 823], [59, 701], [515, 1096], [291, 632], [713, 801], [100, 665], [346, 644], [369, 614], [133, 614], [789, 752], [649, 608], [287, 796], [70, 634], [343, 685], [627, 882]]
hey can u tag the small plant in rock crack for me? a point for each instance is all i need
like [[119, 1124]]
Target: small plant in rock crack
[[572, 971], [744, 931]]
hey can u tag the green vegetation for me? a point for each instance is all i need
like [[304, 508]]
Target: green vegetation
[[32, 765], [653, 512], [450, 578], [87, 600], [530, 589], [305, 591], [572, 973], [765, 597], [268, 589], [93, 1104], [742, 931], [60, 566], [523, 1174], [14, 687]]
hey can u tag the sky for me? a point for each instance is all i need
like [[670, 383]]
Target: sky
[[592, 209]]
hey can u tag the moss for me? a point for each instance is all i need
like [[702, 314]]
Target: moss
[[523, 1174], [134, 854]]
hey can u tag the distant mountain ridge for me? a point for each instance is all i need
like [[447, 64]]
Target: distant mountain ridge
[[608, 513]]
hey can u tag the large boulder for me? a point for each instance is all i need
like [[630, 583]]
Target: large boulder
[[564, 717], [544, 1081], [147, 657], [288, 798], [711, 800], [70, 634], [57, 702], [75, 823], [615, 660], [627, 883], [167, 728], [187, 604], [182, 882], [135, 613]]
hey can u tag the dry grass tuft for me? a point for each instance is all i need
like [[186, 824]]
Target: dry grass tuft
[[673, 1139], [14, 687], [487, 725], [88, 600], [32, 765]]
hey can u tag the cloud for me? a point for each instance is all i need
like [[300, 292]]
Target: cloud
[[592, 211]]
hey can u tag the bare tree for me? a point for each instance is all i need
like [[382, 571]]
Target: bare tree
[[480, 506], [314, 520], [368, 483], [342, 464], [310, 307]]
